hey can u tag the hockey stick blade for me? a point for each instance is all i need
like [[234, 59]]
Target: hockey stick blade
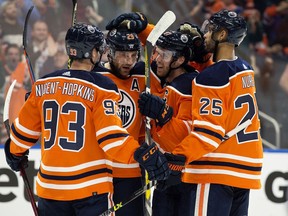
[[7, 126], [132, 197], [237, 129], [28, 62], [165, 21], [6, 107]]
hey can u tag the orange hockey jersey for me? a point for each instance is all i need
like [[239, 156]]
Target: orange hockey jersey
[[76, 115], [223, 98], [178, 95], [129, 90]]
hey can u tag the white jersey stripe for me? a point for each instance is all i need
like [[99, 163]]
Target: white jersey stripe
[[206, 140], [26, 130], [110, 128], [221, 172], [76, 168], [73, 186]]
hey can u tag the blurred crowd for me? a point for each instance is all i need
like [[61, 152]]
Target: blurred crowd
[[267, 37]]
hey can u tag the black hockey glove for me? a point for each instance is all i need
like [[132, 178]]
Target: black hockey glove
[[155, 108], [176, 164], [153, 161], [15, 162], [199, 55], [134, 21]]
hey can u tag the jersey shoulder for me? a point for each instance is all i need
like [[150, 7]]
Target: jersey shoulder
[[220, 73], [94, 78], [183, 83], [138, 69]]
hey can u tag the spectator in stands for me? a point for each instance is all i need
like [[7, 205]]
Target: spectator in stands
[[56, 62], [17, 69], [9, 24], [42, 46]]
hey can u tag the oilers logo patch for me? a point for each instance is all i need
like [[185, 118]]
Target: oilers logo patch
[[127, 109]]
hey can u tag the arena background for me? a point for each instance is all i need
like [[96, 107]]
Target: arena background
[[265, 47]]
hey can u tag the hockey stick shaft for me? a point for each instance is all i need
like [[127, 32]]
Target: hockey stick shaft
[[161, 26], [74, 12], [28, 62], [22, 170], [135, 195]]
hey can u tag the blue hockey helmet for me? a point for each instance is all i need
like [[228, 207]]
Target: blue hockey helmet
[[235, 25], [81, 39], [177, 41]]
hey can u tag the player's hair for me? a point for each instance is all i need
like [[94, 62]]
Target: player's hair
[[81, 39]]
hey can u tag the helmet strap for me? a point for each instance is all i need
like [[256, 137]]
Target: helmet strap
[[97, 62], [171, 68]]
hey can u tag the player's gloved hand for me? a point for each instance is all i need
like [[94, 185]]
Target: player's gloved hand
[[27, 94], [134, 21], [153, 161], [176, 164], [15, 162], [155, 108], [200, 55]]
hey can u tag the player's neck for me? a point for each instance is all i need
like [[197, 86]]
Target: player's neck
[[175, 73], [225, 51], [84, 65]]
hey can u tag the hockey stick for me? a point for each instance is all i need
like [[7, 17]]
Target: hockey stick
[[7, 126], [162, 25], [74, 12], [75, 4], [132, 197], [237, 129], [151, 184], [28, 62], [6, 107]]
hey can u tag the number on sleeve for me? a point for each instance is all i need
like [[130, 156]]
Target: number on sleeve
[[109, 107], [215, 109]]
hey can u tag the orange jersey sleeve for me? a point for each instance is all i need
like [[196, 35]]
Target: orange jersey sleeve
[[223, 98], [144, 34], [75, 113], [129, 90]]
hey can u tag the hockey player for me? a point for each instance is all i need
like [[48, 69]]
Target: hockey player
[[128, 74], [74, 111], [172, 52], [221, 173]]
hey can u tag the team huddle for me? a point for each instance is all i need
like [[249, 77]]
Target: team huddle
[[91, 122]]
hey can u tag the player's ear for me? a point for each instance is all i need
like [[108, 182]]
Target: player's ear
[[94, 53], [223, 34], [180, 61]]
